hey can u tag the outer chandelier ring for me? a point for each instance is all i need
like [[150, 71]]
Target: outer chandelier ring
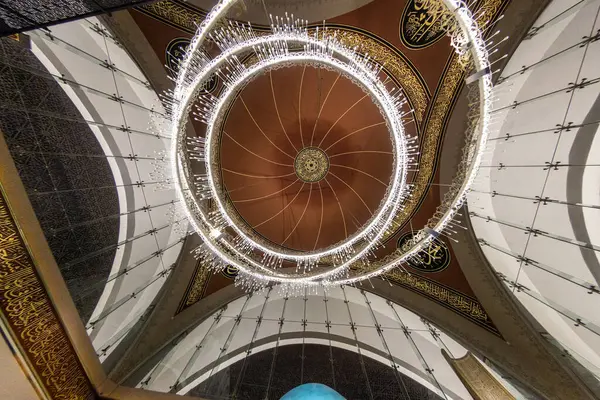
[[468, 40]]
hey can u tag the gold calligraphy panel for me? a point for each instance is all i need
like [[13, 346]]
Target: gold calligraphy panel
[[230, 272], [174, 53], [196, 288], [448, 297], [434, 258], [26, 307], [420, 27]]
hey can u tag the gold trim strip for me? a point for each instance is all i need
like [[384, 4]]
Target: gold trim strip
[[480, 383]]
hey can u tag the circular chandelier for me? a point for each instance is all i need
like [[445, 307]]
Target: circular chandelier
[[194, 160]]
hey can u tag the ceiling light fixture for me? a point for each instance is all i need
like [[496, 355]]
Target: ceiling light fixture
[[224, 243]]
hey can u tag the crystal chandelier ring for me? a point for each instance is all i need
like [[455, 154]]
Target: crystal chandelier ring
[[320, 53], [392, 198], [467, 40]]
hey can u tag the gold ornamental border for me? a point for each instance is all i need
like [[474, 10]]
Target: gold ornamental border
[[196, 288], [33, 323], [185, 17], [450, 298], [175, 14]]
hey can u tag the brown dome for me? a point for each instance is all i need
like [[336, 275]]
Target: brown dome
[[273, 119]]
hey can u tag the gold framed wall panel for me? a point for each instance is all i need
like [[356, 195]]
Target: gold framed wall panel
[[26, 309]]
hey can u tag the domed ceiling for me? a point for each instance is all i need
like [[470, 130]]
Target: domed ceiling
[[306, 157], [281, 114]]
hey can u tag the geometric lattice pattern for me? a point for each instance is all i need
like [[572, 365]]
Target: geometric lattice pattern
[[64, 170]]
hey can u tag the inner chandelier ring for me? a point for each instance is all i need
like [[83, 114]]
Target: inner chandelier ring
[[220, 247], [311, 164], [361, 73]]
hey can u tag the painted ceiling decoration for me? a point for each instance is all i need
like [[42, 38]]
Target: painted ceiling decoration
[[175, 52], [226, 241], [184, 17], [434, 122], [434, 258], [230, 272]]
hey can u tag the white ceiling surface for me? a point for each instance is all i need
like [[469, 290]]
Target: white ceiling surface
[[524, 176], [185, 359], [61, 56]]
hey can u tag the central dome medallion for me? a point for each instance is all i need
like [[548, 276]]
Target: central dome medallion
[[311, 164]]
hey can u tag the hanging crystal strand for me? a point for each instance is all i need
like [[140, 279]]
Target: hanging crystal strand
[[161, 171], [208, 259], [202, 186], [242, 245], [195, 148], [178, 217], [205, 107], [249, 283], [218, 221]]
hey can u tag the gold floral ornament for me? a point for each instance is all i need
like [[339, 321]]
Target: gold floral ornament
[[311, 164]]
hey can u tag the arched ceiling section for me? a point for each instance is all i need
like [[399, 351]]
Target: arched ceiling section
[[253, 374], [344, 318], [115, 103], [535, 208]]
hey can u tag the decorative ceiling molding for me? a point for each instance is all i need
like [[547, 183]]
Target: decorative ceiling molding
[[197, 287], [456, 301], [465, 306]]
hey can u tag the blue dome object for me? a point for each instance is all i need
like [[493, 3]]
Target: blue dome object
[[312, 391]]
